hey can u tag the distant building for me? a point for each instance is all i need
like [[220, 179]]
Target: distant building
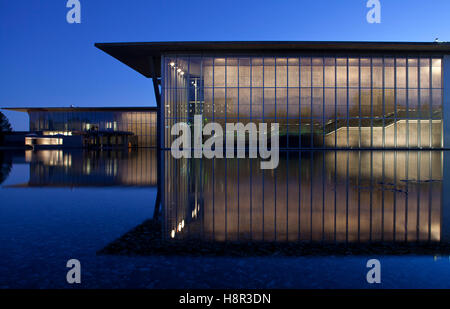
[[95, 127]]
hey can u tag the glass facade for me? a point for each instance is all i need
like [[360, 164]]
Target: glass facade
[[321, 101], [140, 123]]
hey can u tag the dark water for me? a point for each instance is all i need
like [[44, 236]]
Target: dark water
[[313, 222]]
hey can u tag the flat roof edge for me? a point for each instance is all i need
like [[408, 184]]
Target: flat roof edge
[[137, 55]]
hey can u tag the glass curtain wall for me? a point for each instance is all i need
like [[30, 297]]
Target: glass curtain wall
[[318, 101], [142, 124]]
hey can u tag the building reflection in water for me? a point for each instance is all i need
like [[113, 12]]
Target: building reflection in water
[[312, 196], [334, 196], [60, 168]]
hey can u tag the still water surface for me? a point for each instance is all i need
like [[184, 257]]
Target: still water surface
[[311, 223]]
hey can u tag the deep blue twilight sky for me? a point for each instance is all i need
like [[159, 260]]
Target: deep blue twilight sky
[[44, 61]]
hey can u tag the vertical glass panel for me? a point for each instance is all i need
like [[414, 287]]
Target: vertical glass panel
[[219, 73], [219, 103], [317, 102], [244, 72], [341, 74], [281, 102], [353, 103], [208, 107], [257, 103], [401, 103], [232, 72], [412, 73], [341, 103], [353, 72], [436, 135], [195, 67], [329, 111], [413, 103], [389, 79], [317, 76], [305, 72], [269, 102], [269, 72], [244, 102], [377, 73], [377, 103], [366, 81], [232, 106], [330, 74], [293, 75], [437, 103], [293, 102], [281, 75], [425, 73], [305, 103], [257, 72], [425, 112], [436, 73], [366, 102], [401, 72]]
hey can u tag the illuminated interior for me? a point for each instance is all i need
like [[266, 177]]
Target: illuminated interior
[[319, 101], [67, 121]]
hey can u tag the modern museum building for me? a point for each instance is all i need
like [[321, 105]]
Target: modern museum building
[[322, 94]]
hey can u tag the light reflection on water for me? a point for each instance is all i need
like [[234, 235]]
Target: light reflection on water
[[57, 168], [343, 196], [312, 196], [76, 204]]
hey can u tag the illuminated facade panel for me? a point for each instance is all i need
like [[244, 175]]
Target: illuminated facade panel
[[319, 101]]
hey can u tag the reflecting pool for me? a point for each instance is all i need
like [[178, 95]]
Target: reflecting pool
[[140, 218]]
